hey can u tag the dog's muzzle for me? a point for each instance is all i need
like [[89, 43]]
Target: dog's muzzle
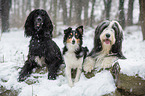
[[73, 41], [38, 23]]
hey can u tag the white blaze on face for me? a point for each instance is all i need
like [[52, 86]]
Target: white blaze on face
[[72, 43], [107, 38]]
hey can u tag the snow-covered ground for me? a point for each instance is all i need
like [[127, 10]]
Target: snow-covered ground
[[14, 50], [134, 50]]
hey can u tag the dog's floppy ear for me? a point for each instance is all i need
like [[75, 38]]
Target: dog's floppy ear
[[117, 47], [29, 24], [47, 26], [67, 30], [80, 29], [98, 31]]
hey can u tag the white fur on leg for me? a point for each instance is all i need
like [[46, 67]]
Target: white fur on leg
[[89, 64], [106, 62], [68, 74], [79, 70]]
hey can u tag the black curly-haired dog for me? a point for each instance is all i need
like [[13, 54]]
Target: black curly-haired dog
[[42, 49]]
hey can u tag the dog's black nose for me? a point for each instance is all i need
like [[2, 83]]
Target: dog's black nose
[[107, 35], [39, 19], [73, 41]]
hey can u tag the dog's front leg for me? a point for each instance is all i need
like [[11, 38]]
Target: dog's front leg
[[89, 64], [27, 68], [68, 74], [79, 70]]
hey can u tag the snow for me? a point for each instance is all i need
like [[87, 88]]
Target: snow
[[133, 47], [14, 50]]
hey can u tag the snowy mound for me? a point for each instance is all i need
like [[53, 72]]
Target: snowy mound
[[14, 50]]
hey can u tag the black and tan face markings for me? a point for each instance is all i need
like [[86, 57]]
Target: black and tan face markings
[[73, 36]]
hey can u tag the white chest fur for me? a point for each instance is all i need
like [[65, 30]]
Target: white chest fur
[[71, 60], [40, 61]]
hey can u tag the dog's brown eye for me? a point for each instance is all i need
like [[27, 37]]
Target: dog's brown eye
[[76, 34], [69, 37], [70, 33]]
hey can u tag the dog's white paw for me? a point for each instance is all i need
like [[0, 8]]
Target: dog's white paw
[[71, 84], [89, 64], [76, 80], [88, 68]]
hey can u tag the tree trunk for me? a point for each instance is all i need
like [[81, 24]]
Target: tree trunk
[[5, 15], [64, 8], [86, 6], [70, 13], [0, 14], [130, 13], [36, 4], [107, 4], [44, 4], [0, 11], [51, 5], [23, 9], [78, 11], [55, 17], [121, 13], [142, 16], [92, 13], [28, 5]]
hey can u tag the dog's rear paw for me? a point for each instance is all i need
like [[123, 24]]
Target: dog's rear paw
[[22, 78], [71, 84], [52, 77]]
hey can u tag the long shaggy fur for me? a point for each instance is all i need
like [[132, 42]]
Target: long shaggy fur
[[98, 56], [42, 49]]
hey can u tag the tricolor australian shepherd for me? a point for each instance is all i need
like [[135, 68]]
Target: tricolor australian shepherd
[[73, 52], [42, 49], [107, 46]]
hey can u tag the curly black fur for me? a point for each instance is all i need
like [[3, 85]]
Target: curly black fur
[[47, 27], [41, 45]]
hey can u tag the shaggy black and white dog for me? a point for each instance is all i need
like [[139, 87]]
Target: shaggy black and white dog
[[107, 46], [74, 53], [42, 49]]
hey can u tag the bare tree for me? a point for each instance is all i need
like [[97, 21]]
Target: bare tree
[[70, 12], [107, 4], [142, 16], [28, 5], [55, 17], [78, 11], [86, 6], [121, 13], [51, 3], [64, 8], [0, 9], [92, 13], [44, 4], [5, 14], [0, 13], [36, 4], [23, 9], [130, 13]]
